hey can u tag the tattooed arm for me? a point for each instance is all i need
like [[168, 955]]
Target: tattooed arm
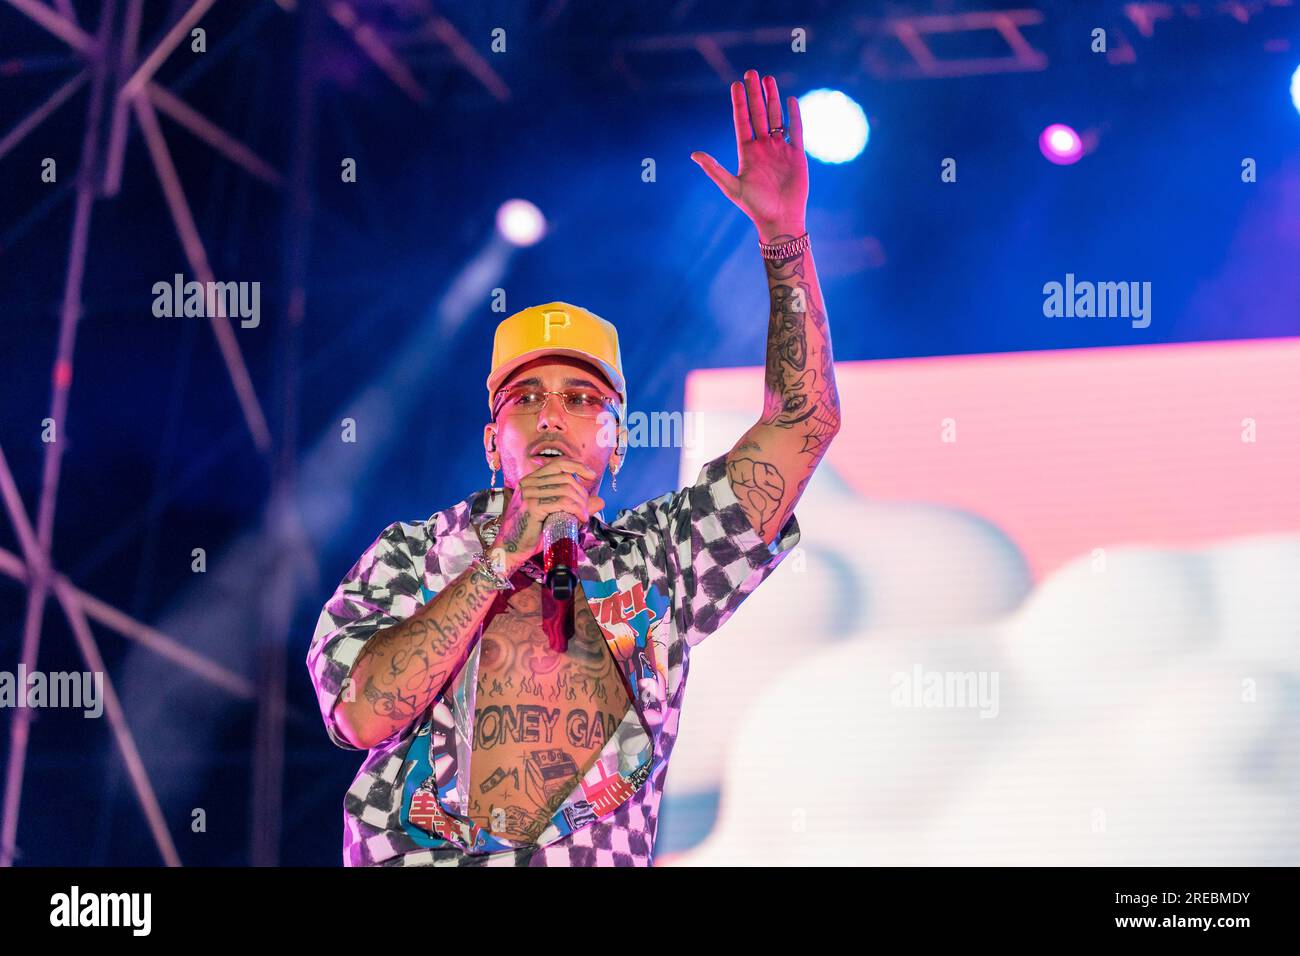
[[773, 461], [403, 668]]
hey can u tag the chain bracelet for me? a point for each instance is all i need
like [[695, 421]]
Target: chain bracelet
[[784, 250], [483, 567]]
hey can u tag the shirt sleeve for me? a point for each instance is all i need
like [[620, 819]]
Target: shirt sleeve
[[382, 589], [708, 551]]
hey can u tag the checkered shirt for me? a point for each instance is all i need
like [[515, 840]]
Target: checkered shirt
[[685, 560]]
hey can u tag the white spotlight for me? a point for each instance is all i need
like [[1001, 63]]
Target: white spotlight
[[835, 130], [520, 222]]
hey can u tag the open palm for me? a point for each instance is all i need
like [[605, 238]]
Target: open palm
[[771, 185]]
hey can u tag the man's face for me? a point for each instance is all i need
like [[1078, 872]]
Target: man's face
[[520, 435]]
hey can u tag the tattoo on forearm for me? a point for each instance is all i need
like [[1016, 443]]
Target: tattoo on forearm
[[786, 331], [516, 534], [414, 659], [390, 704], [468, 597], [411, 678], [800, 397], [787, 268], [800, 374]]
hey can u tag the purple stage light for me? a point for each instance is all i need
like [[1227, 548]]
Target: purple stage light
[[1060, 144]]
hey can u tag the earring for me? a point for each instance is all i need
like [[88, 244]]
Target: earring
[[613, 481], [494, 478]]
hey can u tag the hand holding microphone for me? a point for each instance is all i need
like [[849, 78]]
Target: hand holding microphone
[[549, 490], [545, 513]]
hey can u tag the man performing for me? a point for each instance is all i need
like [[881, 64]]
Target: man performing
[[511, 726]]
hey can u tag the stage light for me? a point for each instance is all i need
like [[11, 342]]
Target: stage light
[[1295, 89], [1060, 144], [835, 130], [520, 222]]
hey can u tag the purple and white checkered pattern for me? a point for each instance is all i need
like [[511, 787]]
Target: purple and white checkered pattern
[[695, 546]]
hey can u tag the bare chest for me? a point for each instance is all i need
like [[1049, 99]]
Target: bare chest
[[541, 717]]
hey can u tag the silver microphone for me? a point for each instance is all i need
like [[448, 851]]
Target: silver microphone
[[560, 553]]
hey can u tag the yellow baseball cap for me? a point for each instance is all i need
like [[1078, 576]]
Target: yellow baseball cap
[[556, 328]]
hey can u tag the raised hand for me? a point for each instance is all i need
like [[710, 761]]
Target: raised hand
[[771, 185]]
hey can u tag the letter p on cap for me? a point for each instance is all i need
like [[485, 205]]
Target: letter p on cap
[[553, 319]]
